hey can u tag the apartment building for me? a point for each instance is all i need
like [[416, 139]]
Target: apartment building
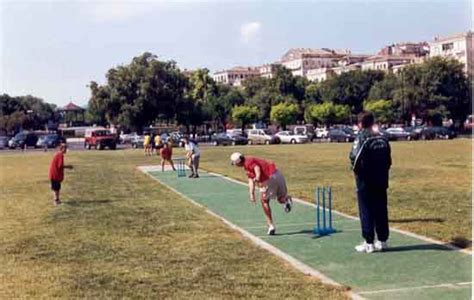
[[458, 46], [300, 60], [236, 75]]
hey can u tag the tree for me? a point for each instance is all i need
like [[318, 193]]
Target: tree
[[24, 112], [140, 93], [384, 89], [219, 107], [284, 114], [350, 88], [201, 85], [383, 110], [327, 113], [439, 84], [244, 114]]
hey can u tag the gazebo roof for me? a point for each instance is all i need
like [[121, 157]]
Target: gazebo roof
[[72, 107]]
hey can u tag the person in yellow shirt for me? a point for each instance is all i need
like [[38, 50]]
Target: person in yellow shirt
[[147, 144], [158, 143]]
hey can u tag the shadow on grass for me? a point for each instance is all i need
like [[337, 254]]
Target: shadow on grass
[[419, 247], [461, 242], [414, 220], [87, 202]]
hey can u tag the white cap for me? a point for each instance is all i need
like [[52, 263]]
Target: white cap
[[236, 157]]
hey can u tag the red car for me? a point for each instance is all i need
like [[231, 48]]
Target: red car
[[100, 139]]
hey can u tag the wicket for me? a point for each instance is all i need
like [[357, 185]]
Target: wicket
[[325, 229], [180, 167]]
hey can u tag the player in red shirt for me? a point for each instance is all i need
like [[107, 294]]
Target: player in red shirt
[[166, 153], [272, 184], [56, 172]]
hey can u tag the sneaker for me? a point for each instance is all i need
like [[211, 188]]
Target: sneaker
[[365, 248], [196, 176], [191, 176], [57, 202], [271, 230], [380, 246], [288, 204]]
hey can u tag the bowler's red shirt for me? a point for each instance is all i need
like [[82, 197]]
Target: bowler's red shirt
[[56, 169], [267, 167]]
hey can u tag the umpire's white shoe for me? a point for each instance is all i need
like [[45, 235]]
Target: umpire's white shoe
[[380, 246], [365, 248]]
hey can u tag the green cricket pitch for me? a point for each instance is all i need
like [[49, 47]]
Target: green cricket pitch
[[413, 268]]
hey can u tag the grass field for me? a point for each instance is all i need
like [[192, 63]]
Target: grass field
[[120, 234]]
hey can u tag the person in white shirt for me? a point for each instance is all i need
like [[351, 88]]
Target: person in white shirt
[[192, 155]]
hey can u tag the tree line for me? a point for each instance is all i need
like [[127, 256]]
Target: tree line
[[149, 90]]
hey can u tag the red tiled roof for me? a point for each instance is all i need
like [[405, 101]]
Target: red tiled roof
[[71, 106]]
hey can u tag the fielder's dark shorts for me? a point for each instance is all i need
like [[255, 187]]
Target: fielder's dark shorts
[[55, 185]]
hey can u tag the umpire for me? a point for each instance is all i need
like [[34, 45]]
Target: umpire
[[371, 160]]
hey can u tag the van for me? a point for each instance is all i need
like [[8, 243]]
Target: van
[[261, 136]]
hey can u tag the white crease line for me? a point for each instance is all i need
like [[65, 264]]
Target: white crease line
[[261, 243], [410, 234], [445, 285]]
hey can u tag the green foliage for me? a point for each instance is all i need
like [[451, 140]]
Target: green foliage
[[437, 83], [284, 114], [384, 89], [350, 88], [24, 112], [383, 110], [244, 114], [327, 113], [139, 93]]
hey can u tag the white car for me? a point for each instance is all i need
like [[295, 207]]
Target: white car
[[321, 133], [288, 137]]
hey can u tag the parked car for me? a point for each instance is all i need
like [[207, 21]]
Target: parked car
[[4, 142], [49, 141], [126, 138], [227, 139], [137, 141], [100, 139], [341, 135], [22, 139], [307, 130], [415, 132], [261, 136], [437, 132], [289, 137], [176, 137], [321, 133], [398, 134]]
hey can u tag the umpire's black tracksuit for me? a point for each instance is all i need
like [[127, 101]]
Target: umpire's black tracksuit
[[371, 161]]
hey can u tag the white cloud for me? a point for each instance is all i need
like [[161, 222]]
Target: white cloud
[[250, 31]]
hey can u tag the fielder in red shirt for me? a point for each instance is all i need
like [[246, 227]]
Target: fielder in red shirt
[[272, 184], [56, 172]]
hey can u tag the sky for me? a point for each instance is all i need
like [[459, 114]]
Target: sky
[[54, 49]]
